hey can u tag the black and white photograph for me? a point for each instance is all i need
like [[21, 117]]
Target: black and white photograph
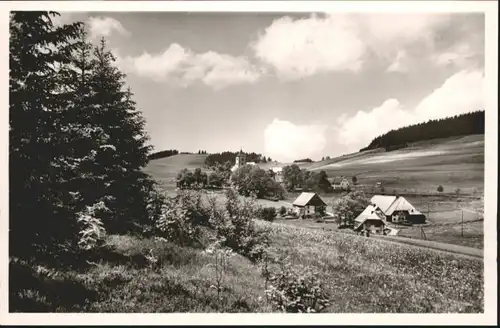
[[254, 160]]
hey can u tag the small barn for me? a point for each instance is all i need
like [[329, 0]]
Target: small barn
[[308, 203], [397, 209], [370, 219]]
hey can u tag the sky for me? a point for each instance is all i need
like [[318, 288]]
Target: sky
[[291, 85]]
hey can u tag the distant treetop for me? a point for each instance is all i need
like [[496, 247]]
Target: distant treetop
[[304, 160], [163, 154], [216, 159], [458, 125]]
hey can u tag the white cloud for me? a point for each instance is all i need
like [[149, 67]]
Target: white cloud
[[460, 93], [105, 26], [357, 131], [458, 55], [286, 141], [303, 47], [183, 66], [393, 30]]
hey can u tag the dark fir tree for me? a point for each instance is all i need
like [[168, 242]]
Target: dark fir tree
[[123, 155], [40, 210]]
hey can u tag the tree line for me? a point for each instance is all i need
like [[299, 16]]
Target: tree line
[[215, 159], [195, 179], [303, 160], [77, 144], [458, 125], [163, 154], [295, 177]]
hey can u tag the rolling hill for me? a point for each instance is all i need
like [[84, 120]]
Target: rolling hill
[[454, 162], [164, 170]]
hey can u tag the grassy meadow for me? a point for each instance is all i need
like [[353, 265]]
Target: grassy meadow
[[165, 170], [456, 162], [415, 172], [361, 275]]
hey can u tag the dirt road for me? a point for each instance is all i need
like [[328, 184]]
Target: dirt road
[[450, 248]]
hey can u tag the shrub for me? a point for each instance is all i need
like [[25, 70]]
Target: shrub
[[268, 213], [234, 224], [176, 221], [440, 188], [296, 289], [92, 231], [282, 210], [221, 256], [348, 207]]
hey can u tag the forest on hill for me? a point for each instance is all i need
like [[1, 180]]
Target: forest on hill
[[458, 125], [163, 153], [216, 159]]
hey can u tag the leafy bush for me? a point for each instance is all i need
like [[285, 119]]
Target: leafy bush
[[221, 256], [296, 289], [92, 233], [348, 207], [268, 213], [179, 219], [250, 179], [234, 224], [282, 210], [440, 188]]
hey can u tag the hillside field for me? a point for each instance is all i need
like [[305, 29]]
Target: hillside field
[[456, 162], [361, 275], [414, 172], [165, 170]]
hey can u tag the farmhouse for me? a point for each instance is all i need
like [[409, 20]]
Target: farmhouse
[[341, 183], [397, 209], [308, 203], [371, 219]]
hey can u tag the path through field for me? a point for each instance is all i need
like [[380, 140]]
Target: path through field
[[450, 248]]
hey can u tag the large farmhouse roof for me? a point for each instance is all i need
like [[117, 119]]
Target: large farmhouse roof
[[390, 204], [370, 213], [383, 202], [309, 199], [401, 204]]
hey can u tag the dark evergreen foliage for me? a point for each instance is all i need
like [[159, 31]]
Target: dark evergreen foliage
[[216, 159], [77, 142], [294, 177], [304, 160], [163, 154], [458, 125]]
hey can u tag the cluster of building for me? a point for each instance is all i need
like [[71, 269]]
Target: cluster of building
[[382, 209], [339, 183]]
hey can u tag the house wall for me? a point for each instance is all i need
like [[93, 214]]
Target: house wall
[[374, 226], [306, 210]]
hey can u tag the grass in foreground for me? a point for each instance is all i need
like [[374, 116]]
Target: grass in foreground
[[373, 276], [180, 281], [362, 275]]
